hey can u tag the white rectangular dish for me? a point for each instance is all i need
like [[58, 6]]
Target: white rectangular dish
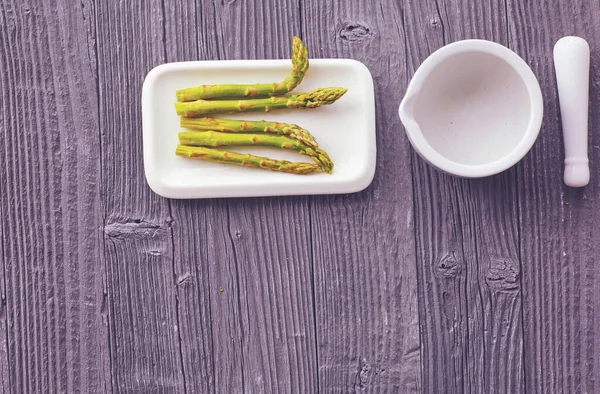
[[345, 129]]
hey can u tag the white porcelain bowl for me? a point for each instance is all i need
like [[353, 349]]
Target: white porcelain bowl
[[474, 108]]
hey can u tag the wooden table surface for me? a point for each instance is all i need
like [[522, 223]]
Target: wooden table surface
[[422, 282]]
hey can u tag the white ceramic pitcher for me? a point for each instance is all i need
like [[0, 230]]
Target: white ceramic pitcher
[[474, 108]]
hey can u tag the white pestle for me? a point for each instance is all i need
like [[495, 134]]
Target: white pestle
[[572, 65]]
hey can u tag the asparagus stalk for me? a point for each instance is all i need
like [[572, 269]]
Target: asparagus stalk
[[245, 160], [217, 139], [247, 126], [312, 99], [299, 68]]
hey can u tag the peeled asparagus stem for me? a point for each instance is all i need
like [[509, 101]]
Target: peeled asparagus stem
[[299, 68], [312, 99], [248, 126], [217, 139], [245, 160]]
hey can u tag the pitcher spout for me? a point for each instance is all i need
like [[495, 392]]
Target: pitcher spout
[[406, 110]]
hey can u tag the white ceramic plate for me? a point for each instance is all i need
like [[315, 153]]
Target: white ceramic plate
[[345, 129]]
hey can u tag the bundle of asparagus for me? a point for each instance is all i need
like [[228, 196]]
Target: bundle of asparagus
[[211, 133]]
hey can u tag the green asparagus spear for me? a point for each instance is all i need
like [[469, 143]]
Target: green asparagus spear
[[217, 139], [248, 126], [312, 99], [245, 160], [299, 67]]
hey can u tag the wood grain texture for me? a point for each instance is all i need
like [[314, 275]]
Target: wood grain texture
[[560, 243], [206, 365], [420, 283], [246, 290], [144, 322], [363, 244], [269, 237], [467, 236], [54, 328]]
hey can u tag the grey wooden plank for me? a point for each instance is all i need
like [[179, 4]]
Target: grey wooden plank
[[191, 235], [467, 235], [53, 297], [363, 244], [251, 269], [269, 236], [141, 284], [559, 242], [4, 83], [4, 355]]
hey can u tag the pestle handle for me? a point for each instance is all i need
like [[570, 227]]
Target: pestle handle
[[572, 65]]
